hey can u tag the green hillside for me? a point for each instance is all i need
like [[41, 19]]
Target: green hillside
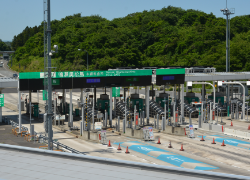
[[4, 46], [167, 37]]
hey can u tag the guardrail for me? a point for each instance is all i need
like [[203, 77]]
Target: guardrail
[[41, 138]]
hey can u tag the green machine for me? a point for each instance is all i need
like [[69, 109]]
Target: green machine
[[219, 98], [35, 109], [161, 98], [135, 100], [103, 103], [190, 97], [77, 112]]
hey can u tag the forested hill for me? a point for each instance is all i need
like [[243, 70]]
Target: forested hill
[[167, 37], [4, 46]]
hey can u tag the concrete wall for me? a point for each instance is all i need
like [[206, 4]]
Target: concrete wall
[[169, 130], [85, 135], [240, 134], [229, 131], [217, 128], [129, 132], [94, 136], [179, 131], [206, 126], [138, 134]]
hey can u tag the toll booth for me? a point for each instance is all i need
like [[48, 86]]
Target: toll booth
[[135, 100], [103, 103], [219, 98], [190, 97], [161, 98]]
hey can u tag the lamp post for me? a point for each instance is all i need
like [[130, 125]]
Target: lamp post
[[87, 58], [227, 12]]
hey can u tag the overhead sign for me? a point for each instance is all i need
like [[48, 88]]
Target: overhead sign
[[1, 100], [170, 71], [170, 76], [116, 92], [76, 74]]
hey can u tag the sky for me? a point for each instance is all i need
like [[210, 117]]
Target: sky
[[15, 15]]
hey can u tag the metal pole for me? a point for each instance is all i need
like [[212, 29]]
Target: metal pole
[[110, 107], [158, 121], [93, 115], [70, 108], [135, 115], [118, 124], [106, 123], [143, 116], [55, 112], [147, 103], [50, 132], [165, 109], [125, 112], [182, 102], [82, 111], [19, 110]]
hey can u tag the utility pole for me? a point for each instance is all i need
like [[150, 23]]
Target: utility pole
[[49, 120]]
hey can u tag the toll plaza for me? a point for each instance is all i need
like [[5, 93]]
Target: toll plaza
[[93, 109]]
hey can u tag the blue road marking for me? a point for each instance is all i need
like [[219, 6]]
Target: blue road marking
[[167, 156], [229, 141]]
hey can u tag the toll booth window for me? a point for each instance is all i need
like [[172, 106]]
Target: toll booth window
[[165, 78], [96, 80]]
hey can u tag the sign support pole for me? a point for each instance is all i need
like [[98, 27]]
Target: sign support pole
[[71, 109], [110, 107]]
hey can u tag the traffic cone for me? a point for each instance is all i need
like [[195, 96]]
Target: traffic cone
[[185, 131], [231, 123], [159, 142], [248, 127], [109, 145], [223, 144], [127, 152], [213, 141], [202, 139], [181, 148], [100, 137], [170, 146], [119, 147]]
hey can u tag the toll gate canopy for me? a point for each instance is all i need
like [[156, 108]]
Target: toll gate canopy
[[95, 79], [170, 76], [86, 79]]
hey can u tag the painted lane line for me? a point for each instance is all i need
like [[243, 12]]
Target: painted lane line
[[167, 156], [229, 141]]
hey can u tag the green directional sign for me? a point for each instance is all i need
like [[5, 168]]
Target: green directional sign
[[76, 74], [170, 71], [115, 91], [45, 95], [1, 100]]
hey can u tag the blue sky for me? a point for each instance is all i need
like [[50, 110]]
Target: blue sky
[[15, 15]]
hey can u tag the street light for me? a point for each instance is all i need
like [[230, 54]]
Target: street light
[[87, 58]]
